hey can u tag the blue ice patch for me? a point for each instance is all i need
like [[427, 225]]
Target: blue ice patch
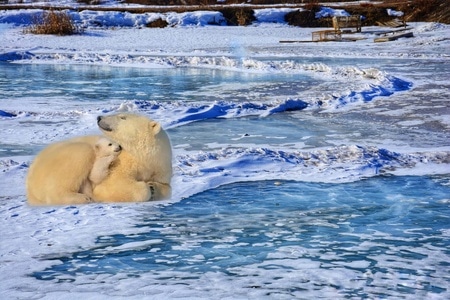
[[16, 55], [7, 114]]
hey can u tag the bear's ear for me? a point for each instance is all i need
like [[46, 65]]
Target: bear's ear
[[155, 127]]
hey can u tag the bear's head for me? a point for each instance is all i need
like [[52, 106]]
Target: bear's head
[[129, 130], [106, 147]]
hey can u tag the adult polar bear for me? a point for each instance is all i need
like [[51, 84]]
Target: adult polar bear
[[141, 172]]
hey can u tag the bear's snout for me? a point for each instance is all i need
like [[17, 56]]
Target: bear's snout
[[103, 124]]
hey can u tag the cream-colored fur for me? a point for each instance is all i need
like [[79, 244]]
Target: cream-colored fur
[[141, 172], [59, 171], [106, 151]]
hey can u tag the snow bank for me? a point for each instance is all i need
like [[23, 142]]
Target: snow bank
[[331, 12], [16, 56], [179, 113], [272, 15], [20, 17], [92, 18], [394, 13], [337, 165]]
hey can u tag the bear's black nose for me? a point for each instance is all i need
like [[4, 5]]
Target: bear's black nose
[[99, 118]]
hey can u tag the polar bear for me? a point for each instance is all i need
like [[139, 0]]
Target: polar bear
[[59, 171], [106, 151], [143, 169], [141, 172]]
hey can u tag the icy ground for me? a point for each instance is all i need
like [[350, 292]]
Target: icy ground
[[326, 176]]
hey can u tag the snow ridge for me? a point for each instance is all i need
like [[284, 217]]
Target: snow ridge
[[333, 165]]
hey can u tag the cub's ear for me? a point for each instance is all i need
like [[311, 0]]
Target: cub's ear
[[155, 127]]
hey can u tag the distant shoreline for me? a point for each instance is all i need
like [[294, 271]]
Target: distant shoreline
[[415, 11]]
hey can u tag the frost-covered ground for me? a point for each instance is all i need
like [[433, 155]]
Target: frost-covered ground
[[301, 169]]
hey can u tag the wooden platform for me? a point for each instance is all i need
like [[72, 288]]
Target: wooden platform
[[393, 23], [350, 22], [393, 35], [294, 41], [326, 35]]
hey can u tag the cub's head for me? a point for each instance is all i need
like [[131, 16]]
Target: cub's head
[[129, 129], [106, 147]]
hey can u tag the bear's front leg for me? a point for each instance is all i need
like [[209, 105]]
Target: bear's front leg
[[72, 198], [160, 191], [125, 191]]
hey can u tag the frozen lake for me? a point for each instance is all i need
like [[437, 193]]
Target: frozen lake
[[289, 239], [300, 171], [272, 235]]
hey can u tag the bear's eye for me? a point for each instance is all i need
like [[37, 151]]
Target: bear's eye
[[110, 144], [123, 117]]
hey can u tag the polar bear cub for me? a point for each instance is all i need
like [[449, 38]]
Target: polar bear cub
[[106, 152]]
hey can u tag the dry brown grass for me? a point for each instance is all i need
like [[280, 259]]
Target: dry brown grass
[[54, 22], [158, 23], [427, 11], [238, 16]]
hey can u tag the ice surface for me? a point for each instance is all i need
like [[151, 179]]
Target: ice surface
[[276, 243], [326, 174]]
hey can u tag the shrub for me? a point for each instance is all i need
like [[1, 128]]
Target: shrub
[[238, 16], [426, 11], [312, 5], [158, 23], [54, 22], [307, 18]]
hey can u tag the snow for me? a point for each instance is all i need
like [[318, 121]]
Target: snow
[[330, 12], [272, 15], [394, 13], [36, 238], [89, 18]]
